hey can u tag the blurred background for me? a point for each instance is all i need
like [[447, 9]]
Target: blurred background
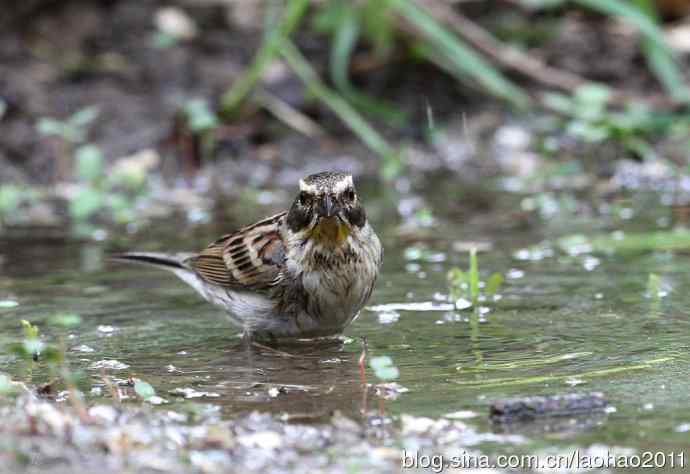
[[117, 112], [549, 136]]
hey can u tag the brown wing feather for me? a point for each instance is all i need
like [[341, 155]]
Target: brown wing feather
[[252, 257]]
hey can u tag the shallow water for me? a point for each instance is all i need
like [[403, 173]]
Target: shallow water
[[563, 324]]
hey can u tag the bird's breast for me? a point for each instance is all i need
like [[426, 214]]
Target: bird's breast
[[337, 286]]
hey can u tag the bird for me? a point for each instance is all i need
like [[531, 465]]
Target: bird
[[303, 273]]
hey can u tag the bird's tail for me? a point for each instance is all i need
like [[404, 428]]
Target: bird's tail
[[174, 262], [162, 260]]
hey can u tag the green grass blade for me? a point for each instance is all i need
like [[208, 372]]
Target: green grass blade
[[336, 103], [630, 12], [657, 52], [463, 60], [525, 380], [474, 277], [344, 43], [660, 60], [269, 48]]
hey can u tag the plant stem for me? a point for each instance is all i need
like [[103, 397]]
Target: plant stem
[[474, 277], [336, 103], [269, 48]]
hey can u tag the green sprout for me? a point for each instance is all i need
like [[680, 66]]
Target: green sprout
[[588, 117], [72, 130], [200, 118], [466, 284]]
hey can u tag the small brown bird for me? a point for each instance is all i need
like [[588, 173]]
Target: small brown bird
[[302, 273]]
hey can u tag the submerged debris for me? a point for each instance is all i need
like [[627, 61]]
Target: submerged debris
[[529, 408], [188, 392], [109, 364]]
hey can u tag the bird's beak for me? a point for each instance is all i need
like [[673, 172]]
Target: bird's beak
[[330, 230], [328, 207]]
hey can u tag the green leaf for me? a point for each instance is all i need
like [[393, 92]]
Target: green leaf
[[86, 203], [200, 117], [49, 126], [595, 95], [30, 331], [66, 320], [591, 102], [640, 147], [84, 116], [493, 283], [559, 103], [18, 349], [387, 373], [384, 368], [328, 16], [379, 25], [380, 362], [144, 389], [52, 355], [120, 202], [457, 277], [588, 131], [89, 162]]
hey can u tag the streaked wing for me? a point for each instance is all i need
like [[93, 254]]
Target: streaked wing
[[252, 257]]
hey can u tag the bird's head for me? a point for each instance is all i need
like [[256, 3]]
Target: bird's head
[[327, 208]]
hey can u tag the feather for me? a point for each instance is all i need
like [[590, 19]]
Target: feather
[[253, 257]]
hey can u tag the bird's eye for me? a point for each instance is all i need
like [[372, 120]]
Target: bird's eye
[[303, 198], [350, 193]]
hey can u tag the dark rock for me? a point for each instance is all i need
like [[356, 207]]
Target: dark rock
[[529, 408]]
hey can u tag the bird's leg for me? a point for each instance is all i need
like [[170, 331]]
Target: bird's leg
[[362, 362], [362, 375]]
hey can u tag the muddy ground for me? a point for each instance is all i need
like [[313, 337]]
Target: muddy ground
[[59, 57]]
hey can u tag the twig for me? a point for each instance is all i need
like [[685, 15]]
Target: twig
[[529, 66], [362, 375], [114, 390], [362, 362], [287, 114], [507, 56], [275, 351]]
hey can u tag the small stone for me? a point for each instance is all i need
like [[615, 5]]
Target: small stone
[[109, 364]]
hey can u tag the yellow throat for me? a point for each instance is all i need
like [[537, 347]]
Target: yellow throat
[[330, 231]]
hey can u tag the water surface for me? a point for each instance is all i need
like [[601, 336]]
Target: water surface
[[562, 324]]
